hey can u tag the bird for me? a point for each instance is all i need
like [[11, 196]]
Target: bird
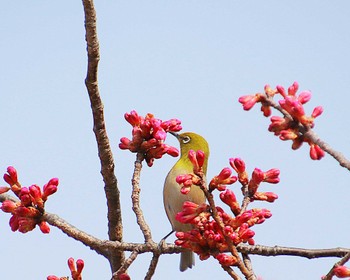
[[172, 197]]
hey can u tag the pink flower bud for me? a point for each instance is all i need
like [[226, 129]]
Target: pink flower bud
[[316, 153], [12, 173], [304, 97], [172, 151], [8, 206], [281, 90], [317, 112], [226, 260], [44, 227], [248, 101], [26, 224], [265, 196], [35, 192], [53, 181], [271, 176], [124, 276], [133, 118], [237, 164], [25, 196], [288, 134], [292, 90], [266, 110], [52, 277], [71, 264], [48, 190], [228, 197], [173, 125], [124, 143]]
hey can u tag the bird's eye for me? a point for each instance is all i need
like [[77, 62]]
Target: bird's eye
[[186, 139]]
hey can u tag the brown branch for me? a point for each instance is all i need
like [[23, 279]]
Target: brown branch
[[291, 251], [135, 197], [125, 265], [115, 229], [152, 266], [79, 235], [231, 272]]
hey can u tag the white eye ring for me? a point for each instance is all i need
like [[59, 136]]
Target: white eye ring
[[186, 139]]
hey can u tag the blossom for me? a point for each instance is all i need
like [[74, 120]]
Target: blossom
[[224, 178], [294, 123], [197, 159], [26, 214], [148, 135], [75, 269], [316, 153]]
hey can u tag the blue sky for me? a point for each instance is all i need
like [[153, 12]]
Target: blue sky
[[186, 59]]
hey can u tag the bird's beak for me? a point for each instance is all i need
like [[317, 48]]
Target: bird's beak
[[175, 134]]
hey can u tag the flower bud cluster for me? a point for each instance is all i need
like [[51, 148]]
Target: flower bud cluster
[[207, 237], [294, 123], [148, 135], [75, 269], [28, 211]]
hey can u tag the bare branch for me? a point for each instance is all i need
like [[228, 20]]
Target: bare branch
[[291, 251], [136, 200], [152, 266], [125, 265], [115, 229]]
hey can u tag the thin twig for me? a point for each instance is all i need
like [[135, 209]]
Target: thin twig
[[231, 272], [125, 265], [115, 229], [292, 251], [152, 266], [135, 197]]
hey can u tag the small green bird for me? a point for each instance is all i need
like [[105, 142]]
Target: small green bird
[[173, 198]]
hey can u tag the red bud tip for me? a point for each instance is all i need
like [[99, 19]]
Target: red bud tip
[[124, 276], [341, 271], [292, 90], [237, 164], [316, 153], [317, 112], [80, 265], [304, 97], [44, 227]]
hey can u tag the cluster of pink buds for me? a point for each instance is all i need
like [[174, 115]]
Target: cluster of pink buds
[[207, 236], [28, 211], [148, 135], [75, 269], [294, 123]]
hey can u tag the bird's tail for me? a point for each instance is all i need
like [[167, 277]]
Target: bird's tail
[[187, 260]]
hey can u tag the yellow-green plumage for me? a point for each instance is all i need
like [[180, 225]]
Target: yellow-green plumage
[[173, 198]]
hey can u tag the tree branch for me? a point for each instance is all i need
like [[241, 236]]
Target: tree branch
[[115, 228], [135, 197]]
